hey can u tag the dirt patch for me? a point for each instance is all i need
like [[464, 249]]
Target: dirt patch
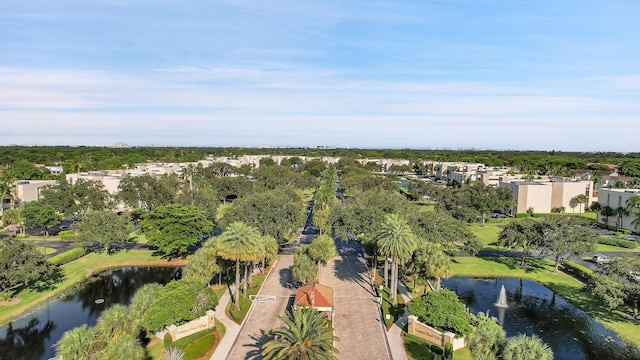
[[11, 302]]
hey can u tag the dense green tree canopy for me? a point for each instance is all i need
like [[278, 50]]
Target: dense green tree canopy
[[172, 228], [565, 236], [20, 265], [148, 191], [178, 302], [75, 199], [442, 310], [278, 213], [524, 235], [104, 227], [36, 215]]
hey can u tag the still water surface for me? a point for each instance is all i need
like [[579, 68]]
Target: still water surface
[[534, 309], [33, 336]]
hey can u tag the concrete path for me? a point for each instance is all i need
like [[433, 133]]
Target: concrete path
[[262, 315], [231, 333], [357, 318], [394, 334]]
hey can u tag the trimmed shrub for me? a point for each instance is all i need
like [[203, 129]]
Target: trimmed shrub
[[67, 235], [436, 349], [448, 351], [68, 256], [168, 341], [578, 271], [627, 244]]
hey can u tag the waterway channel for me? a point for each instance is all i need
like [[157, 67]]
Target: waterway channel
[[32, 336]]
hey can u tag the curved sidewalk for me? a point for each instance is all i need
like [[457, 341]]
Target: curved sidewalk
[[394, 334], [232, 329]]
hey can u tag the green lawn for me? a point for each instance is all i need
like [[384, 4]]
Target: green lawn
[[564, 285], [245, 303], [487, 234], [73, 273], [394, 312], [45, 250], [418, 349]]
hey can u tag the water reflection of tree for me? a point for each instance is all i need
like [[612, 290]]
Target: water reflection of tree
[[26, 342], [119, 286]]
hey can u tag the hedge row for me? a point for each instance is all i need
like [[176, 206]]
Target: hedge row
[[68, 256], [627, 244], [578, 271]]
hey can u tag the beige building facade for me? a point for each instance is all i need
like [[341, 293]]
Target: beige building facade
[[617, 198]]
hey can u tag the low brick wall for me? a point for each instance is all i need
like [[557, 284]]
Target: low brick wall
[[178, 332], [415, 327]]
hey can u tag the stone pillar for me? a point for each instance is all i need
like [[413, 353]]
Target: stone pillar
[[448, 337], [411, 325], [171, 329], [211, 318]]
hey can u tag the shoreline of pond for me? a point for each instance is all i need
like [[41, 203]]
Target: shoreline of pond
[[11, 312]]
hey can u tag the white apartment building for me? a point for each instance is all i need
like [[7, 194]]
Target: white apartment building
[[617, 198]]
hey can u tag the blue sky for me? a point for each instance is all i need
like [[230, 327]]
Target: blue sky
[[490, 74]]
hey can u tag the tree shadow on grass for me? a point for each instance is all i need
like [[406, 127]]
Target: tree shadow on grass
[[513, 263], [49, 282]]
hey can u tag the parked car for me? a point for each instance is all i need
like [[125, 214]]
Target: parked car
[[600, 259], [499, 216]]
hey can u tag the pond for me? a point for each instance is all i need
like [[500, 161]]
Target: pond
[[534, 309], [32, 337]]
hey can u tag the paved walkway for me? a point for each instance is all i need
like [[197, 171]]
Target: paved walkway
[[262, 315], [231, 333], [394, 334], [357, 318]]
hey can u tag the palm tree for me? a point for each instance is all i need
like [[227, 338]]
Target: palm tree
[[125, 346], [173, 353], [239, 242], [620, 211], [271, 247], [438, 266], [487, 338], [607, 211], [582, 199], [304, 267], [395, 239], [79, 343], [306, 336], [633, 202], [322, 249], [204, 263], [115, 322], [523, 347], [636, 220]]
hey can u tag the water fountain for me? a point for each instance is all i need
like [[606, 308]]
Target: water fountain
[[502, 299]]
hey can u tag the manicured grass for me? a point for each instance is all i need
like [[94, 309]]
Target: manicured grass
[[245, 303], [196, 346], [38, 238], [45, 250], [562, 284], [603, 247], [73, 273], [487, 234], [418, 349], [394, 312]]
